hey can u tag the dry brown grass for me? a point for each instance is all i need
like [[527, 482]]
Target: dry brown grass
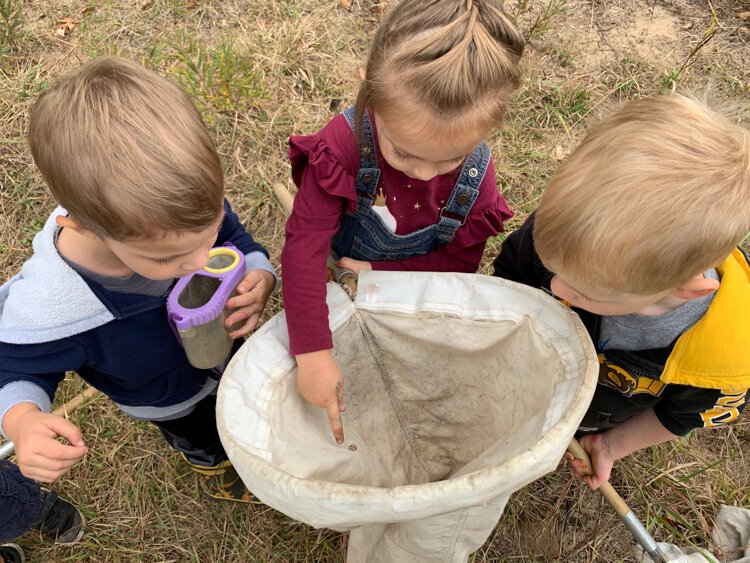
[[263, 70]]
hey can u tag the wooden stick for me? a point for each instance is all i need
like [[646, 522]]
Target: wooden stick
[[75, 402], [286, 199]]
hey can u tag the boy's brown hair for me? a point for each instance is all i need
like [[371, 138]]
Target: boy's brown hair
[[454, 58], [126, 152], [654, 195]]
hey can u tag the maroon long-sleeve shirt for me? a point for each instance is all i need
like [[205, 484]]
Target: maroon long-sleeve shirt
[[324, 168]]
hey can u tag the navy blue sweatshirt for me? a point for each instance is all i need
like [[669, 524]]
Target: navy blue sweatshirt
[[135, 359]]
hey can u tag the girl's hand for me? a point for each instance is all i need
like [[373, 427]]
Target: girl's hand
[[601, 460], [354, 265], [253, 292], [321, 383]]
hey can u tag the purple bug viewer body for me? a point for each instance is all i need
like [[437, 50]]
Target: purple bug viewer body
[[196, 307]]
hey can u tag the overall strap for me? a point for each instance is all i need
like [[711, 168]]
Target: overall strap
[[464, 193], [369, 173]]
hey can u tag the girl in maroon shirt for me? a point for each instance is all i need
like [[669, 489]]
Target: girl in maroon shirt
[[402, 182]]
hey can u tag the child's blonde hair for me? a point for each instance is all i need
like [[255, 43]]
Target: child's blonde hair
[[654, 195], [126, 152], [453, 58]]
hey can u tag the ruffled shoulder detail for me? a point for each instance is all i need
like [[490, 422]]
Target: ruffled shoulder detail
[[483, 224], [329, 158]]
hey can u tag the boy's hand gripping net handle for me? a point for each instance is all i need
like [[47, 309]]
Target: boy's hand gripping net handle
[[623, 511], [343, 276]]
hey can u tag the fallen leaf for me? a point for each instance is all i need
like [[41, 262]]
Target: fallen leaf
[[688, 25], [346, 4], [191, 5], [745, 16], [65, 26]]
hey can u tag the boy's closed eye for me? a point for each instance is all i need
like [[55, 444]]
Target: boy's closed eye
[[585, 299]]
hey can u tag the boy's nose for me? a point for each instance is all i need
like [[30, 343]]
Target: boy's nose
[[559, 288], [198, 262]]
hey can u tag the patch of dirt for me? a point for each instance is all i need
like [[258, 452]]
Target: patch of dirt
[[705, 46], [600, 32]]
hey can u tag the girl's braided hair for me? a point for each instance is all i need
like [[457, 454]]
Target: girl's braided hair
[[449, 56]]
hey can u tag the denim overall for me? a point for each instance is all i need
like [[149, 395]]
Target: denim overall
[[363, 235]]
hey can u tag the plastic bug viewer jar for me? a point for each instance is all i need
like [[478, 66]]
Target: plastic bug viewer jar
[[196, 307]]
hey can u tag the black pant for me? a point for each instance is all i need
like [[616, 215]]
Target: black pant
[[195, 434], [20, 502]]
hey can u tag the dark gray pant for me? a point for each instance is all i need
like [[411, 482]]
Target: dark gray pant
[[196, 435]]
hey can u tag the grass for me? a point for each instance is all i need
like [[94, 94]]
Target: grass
[[669, 81], [263, 70], [541, 15], [220, 78], [10, 26], [626, 77]]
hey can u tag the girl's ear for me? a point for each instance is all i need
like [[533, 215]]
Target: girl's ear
[[695, 287], [68, 222]]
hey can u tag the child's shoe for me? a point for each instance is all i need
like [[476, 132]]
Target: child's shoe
[[60, 521], [11, 553], [222, 482], [227, 485]]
